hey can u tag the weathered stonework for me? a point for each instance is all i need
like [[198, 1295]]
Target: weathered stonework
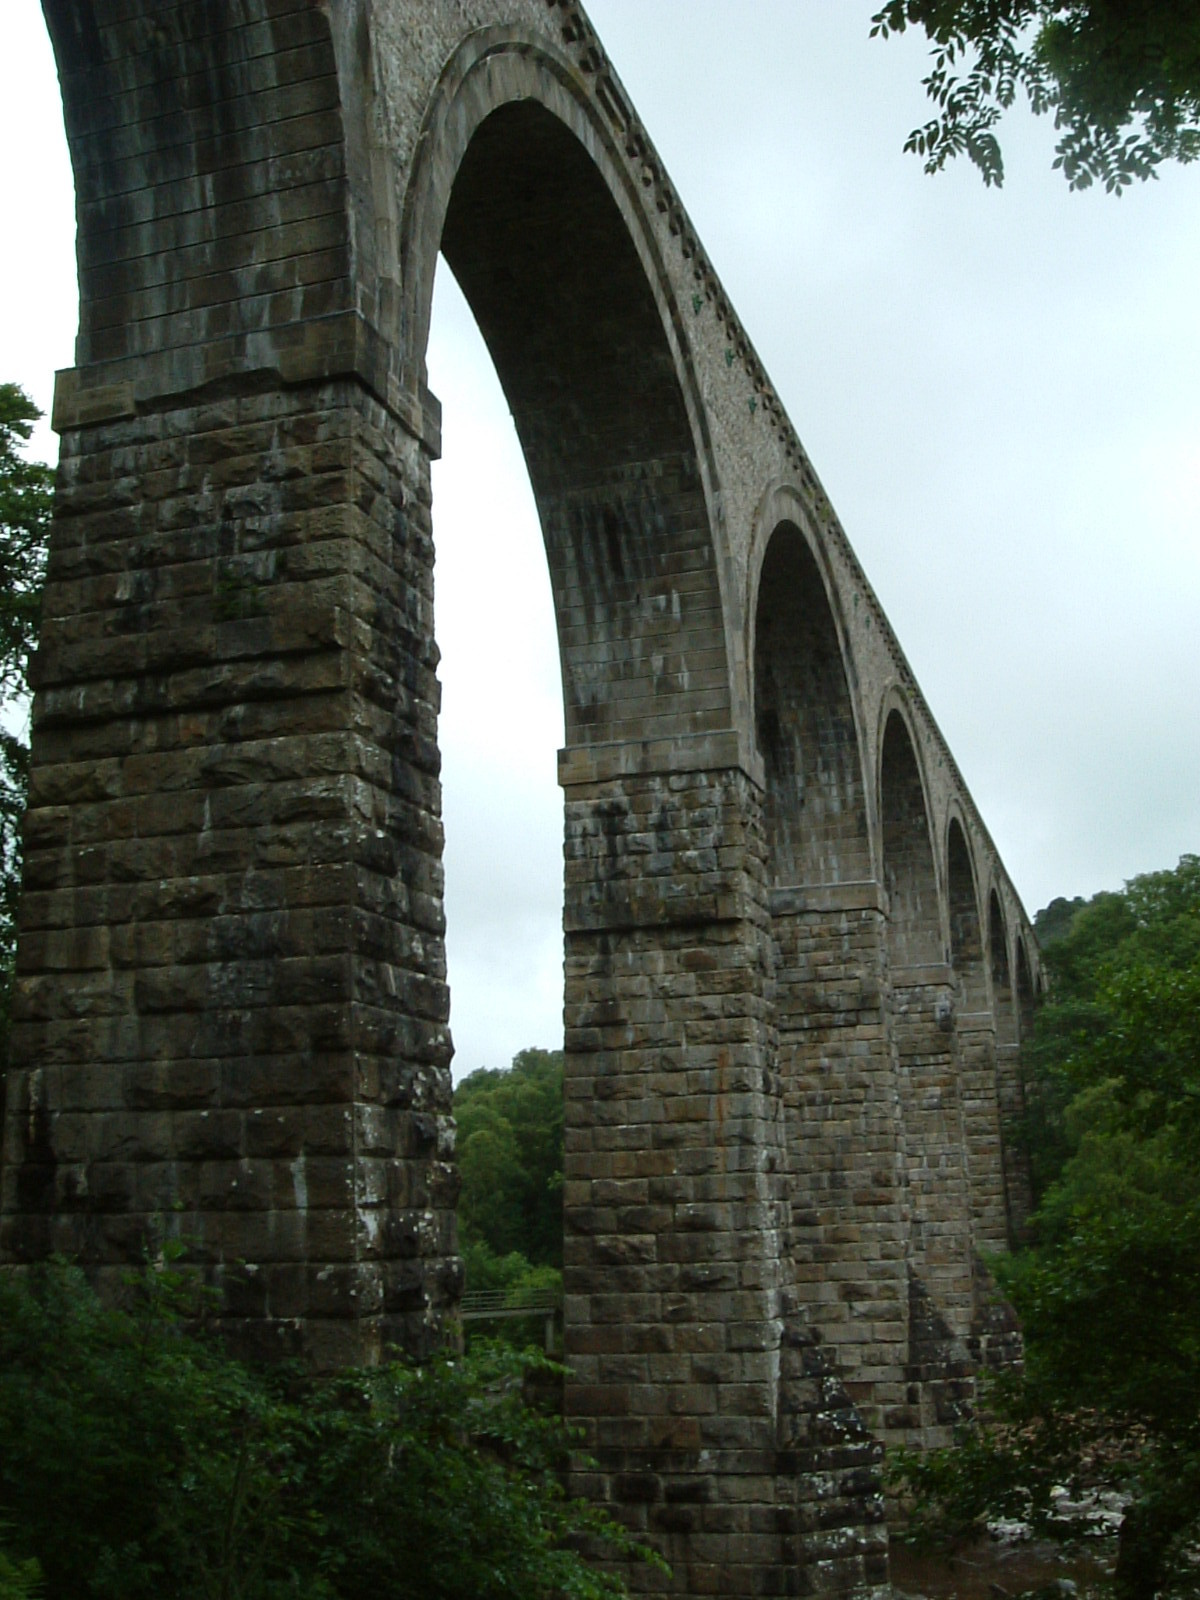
[[797, 976], [232, 985]]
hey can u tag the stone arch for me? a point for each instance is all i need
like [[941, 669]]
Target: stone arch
[[805, 720], [522, 187], [966, 933], [276, 404], [1026, 1088], [206, 220], [232, 997], [909, 870], [519, 184], [1002, 992]]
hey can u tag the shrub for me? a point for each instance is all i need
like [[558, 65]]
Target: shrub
[[137, 1459]]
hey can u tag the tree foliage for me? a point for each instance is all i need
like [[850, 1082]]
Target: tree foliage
[[510, 1144], [1121, 77], [510, 1150], [1109, 1290], [138, 1460], [26, 493], [18, 1580], [1151, 922]]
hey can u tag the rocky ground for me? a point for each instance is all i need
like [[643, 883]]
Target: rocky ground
[[997, 1568]]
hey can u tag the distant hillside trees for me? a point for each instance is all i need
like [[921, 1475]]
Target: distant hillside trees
[[510, 1152]]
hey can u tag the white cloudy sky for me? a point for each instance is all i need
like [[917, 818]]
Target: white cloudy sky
[[1001, 392]]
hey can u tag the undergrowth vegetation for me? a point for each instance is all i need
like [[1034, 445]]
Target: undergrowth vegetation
[[139, 1461]]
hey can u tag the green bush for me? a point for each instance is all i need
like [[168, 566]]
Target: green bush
[[137, 1460], [19, 1580]]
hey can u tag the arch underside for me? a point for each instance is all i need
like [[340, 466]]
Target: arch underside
[[908, 866], [844, 1154], [207, 145], [966, 936], [805, 726], [547, 264]]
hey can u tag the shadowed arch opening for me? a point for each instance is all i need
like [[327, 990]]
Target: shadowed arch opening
[[966, 935], [1003, 999], [804, 724], [908, 870], [547, 263], [1002, 995], [1026, 998]]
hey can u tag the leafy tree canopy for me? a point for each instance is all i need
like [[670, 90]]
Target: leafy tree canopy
[[1154, 921], [1122, 78]]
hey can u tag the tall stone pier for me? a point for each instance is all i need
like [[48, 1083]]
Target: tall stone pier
[[797, 975]]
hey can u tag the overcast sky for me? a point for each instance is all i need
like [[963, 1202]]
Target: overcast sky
[[1000, 391]]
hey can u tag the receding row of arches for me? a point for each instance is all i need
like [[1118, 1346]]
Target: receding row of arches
[[902, 993], [826, 825], [268, 413]]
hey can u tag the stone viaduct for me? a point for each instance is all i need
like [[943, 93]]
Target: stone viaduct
[[796, 973]]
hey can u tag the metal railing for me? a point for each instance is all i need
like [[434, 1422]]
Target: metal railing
[[494, 1305]]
